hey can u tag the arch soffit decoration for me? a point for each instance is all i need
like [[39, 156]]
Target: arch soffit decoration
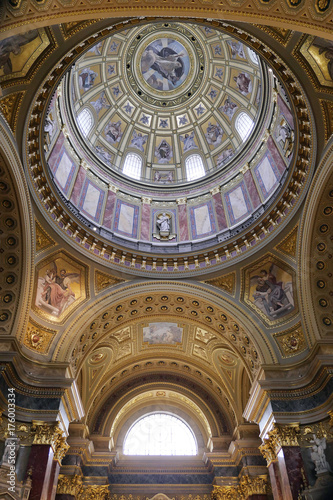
[[23, 226], [218, 409], [225, 317], [315, 260], [315, 18]]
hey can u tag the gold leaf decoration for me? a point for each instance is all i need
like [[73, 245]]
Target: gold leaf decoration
[[327, 107], [226, 282], [103, 280], [38, 338], [288, 246], [9, 106], [291, 342], [43, 240]]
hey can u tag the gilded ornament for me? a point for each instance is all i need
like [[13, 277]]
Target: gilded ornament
[[51, 435], [9, 106], [103, 281], [94, 493], [43, 241], [252, 486], [226, 283], [288, 245], [291, 342], [283, 435], [225, 493], [38, 338], [69, 485]]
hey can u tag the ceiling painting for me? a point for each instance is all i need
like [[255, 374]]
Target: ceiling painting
[[162, 333], [19, 52], [269, 289], [60, 286]]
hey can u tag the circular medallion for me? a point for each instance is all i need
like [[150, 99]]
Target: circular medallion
[[165, 64]]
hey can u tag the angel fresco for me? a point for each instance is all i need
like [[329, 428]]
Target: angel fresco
[[188, 141], [229, 107], [214, 133], [13, 45], [54, 293], [138, 140], [113, 132], [100, 103], [163, 152], [273, 297], [237, 48]]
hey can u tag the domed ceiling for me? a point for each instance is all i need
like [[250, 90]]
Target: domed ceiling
[[165, 91], [171, 138]]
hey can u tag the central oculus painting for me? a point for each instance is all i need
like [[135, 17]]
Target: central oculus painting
[[162, 333], [165, 64]]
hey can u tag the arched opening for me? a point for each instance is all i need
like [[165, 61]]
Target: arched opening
[[194, 167], [85, 121], [160, 434], [132, 166], [244, 125]]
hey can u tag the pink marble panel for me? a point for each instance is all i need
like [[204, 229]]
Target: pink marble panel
[[79, 181], [219, 210], [109, 208], [276, 155], [285, 110], [57, 148], [252, 189], [145, 222], [183, 224]]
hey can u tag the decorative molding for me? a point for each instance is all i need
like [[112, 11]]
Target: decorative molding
[[226, 283], [51, 435], [279, 436], [38, 338], [43, 240], [288, 245], [9, 106], [103, 281], [69, 485], [291, 342]]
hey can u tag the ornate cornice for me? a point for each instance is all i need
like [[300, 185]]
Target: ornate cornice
[[248, 485]]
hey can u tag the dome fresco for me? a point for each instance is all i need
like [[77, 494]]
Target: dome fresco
[[169, 134], [165, 91]]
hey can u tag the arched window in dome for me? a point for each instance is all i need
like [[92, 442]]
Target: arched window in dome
[[244, 125], [132, 166], [85, 121], [160, 434], [194, 167]]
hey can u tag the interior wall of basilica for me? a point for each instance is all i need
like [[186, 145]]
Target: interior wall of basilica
[[166, 247]]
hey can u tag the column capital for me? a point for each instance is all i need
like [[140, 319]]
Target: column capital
[[146, 200], [52, 435], [279, 436], [69, 485], [215, 190], [113, 188], [252, 485], [181, 201], [268, 452], [222, 492]]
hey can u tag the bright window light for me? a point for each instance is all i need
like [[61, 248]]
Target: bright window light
[[253, 56], [85, 121], [244, 125], [132, 166], [194, 167], [160, 434]]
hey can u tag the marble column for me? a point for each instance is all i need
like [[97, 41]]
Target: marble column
[[47, 450], [219, 210], [287, 468], [146, 218], [182, 219]]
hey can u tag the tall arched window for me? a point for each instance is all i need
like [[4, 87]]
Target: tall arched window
[[160, 434], [194, 167], [244, 125], [85, 121], [132, 166]]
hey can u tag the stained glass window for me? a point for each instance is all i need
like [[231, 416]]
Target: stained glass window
[[160, 434]]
